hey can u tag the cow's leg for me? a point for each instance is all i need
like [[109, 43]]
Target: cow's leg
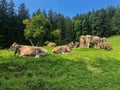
[[21, 55], [36, 54], [81, 44], [98, 45], [17, 50], [88, 44]]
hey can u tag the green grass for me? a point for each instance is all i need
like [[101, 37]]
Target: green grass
[[82, 69]]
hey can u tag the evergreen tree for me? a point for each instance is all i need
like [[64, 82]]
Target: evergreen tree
[[38, 11], [69, 30], [44, 13], [4, 22], [12, 21], [77, 29], [116, 22], [23, 13]]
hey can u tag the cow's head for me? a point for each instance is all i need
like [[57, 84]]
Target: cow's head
[[13, 47], [103, 40], [46, 42]]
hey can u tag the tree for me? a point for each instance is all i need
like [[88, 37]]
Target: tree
[[23, 13], [52, 16], [69, 30], [44, 12], [37, 29], [61, 26], [12, 17], [4, 21], [77, 29], [116, 22], [11, 10], [38, 11], [56, 36]]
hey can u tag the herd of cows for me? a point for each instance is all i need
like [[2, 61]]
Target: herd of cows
[[87, 41]]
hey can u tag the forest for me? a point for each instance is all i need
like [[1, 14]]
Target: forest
[[21, 27]]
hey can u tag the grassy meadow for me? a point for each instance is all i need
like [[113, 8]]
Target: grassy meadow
[[82, 69]]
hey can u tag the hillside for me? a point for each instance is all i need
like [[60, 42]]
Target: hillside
[[82, 69]]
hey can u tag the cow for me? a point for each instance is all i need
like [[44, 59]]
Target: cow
[[76, 45], [96, 41], [25, 50], [82, 41], [62, 49], [88, 40], [50, 44], [91, 41], [106, 46]]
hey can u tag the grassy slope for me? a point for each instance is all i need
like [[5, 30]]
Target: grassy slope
[[82, 69]]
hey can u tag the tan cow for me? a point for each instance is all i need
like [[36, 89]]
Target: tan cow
[[62, 49], [25, 50], [106, 46], [82, 41], [50, 44], [96, 41], [91, 41], [85, 41], [88, 40]]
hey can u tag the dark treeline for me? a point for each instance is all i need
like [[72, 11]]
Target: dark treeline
[[63, 29]]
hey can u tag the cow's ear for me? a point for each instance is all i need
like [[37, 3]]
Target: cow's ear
[[15, 43]]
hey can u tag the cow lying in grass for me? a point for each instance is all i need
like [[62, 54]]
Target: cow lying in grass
[[106, 46], [25, 50], [50, 44], [62, 49]]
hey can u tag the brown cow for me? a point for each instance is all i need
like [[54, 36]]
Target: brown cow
[[93, 41], [106, 46], [25, 50], [76, 45], [85, 41], [96, 41], [62, 49], [82, 41], [50, 44], [88, 40]]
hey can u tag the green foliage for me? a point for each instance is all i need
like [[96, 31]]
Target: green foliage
[[116, 22], [77, 29], [83, 68], [2, 40], [56, 35], [37, 28]]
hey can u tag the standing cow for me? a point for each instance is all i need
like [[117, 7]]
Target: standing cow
[[82, 41], [89, 40], [25, 50], [85, 41], [96, 41]]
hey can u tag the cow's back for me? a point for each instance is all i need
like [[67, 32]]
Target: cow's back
[[27, 51]]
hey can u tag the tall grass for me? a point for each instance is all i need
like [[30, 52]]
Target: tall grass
[[82, 69]]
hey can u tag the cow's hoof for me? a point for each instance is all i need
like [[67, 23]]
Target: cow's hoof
[[37, 56]]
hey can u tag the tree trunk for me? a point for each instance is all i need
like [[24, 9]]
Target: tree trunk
[[31, 42]]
